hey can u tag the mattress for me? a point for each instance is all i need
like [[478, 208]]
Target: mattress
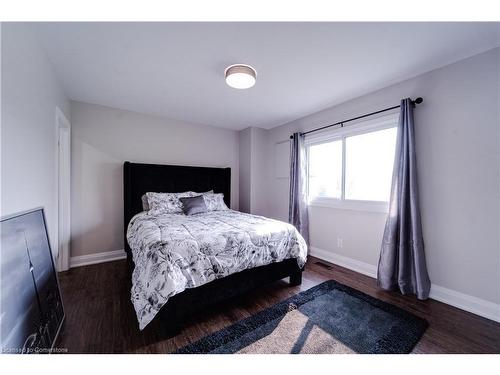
[[173, 252]]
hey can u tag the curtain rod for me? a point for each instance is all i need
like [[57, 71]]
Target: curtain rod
[[341, 123]]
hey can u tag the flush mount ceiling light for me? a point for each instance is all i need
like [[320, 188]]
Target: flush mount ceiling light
[[240, 76]]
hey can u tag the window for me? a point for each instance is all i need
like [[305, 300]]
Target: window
[[352, 167], [325, 169], [369, 160]]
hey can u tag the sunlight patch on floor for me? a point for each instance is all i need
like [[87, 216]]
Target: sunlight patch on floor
[[294, 333]]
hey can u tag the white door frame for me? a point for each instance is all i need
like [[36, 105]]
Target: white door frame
[[63, 127]]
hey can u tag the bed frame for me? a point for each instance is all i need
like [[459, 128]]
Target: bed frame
[[141, 178]]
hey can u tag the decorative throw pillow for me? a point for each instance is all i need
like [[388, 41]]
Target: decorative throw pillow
[[167, 203], [215, 202], [193, 205]]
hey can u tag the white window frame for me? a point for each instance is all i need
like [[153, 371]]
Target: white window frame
[[361, 127]]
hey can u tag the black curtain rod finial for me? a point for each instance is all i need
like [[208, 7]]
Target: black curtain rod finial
[[418, 100]]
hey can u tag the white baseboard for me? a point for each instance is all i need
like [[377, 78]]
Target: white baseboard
[[451, 297], [466, 302], [85, 260], [343, 261]]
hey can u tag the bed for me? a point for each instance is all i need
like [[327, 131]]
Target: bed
[[183, 264]]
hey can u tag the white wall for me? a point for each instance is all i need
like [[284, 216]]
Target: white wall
[[103, 138], [30, 94], [252, 159], [260, 160], [457, 135], [245, 162]]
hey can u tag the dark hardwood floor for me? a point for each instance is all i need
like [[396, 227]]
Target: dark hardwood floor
[[100, 317]]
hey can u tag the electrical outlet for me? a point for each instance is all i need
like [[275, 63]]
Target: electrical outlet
[[340, 242]]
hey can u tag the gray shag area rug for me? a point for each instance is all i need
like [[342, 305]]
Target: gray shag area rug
[[328, 318]]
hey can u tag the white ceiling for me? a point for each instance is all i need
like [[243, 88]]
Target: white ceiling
[[175, 70]]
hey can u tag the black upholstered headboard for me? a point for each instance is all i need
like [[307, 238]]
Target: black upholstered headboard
[[139, 179]]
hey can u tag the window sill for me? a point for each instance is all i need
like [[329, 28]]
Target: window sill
[[353, 205]]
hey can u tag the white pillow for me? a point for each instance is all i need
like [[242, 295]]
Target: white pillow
[[215, 202], [145, 205]]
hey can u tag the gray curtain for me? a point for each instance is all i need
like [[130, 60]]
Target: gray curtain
[[402, 259], [297, 208]]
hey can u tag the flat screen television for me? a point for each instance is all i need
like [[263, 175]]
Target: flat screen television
[[31, 309]]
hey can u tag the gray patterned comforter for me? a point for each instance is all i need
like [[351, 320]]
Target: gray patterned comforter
[[173, 252]]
